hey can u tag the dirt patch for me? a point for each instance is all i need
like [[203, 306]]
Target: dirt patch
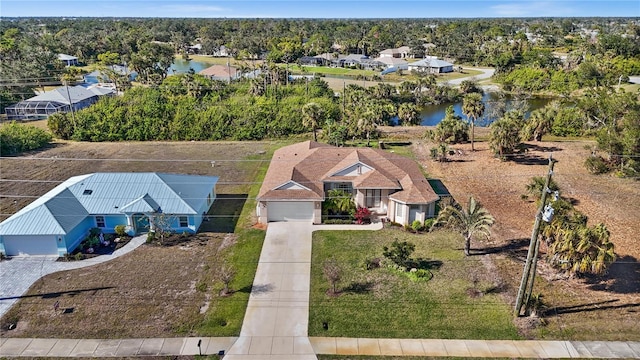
[[499, 186], [154, 291]]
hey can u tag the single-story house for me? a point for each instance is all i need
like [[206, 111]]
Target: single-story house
[[300, 176], [398, 53], [68, 60], [221, 72], [311, 61], [194, 49], [58, 221], [372, 64], [62, 99], [432, 65], [394, 62], [221, 52]]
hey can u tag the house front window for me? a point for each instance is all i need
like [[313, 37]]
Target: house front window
[[373, 198], [184, 221], [399, 208], [100, 221]]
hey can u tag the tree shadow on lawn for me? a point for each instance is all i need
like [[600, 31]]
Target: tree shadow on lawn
[[224, 213], [57, 294], [623, 277], [588, 307], [359, 287], [515, 248]]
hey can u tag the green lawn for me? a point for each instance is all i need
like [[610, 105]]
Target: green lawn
[[226, 314], [383, 303]]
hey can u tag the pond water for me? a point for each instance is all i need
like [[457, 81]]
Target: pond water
[[181, 66], [431, 115]]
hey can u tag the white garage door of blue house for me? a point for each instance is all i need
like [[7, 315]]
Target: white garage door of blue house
[[16, 245]]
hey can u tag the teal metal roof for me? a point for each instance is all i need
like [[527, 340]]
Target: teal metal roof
[[65, 206]]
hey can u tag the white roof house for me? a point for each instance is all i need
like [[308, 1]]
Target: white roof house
[[55, 223], [432, 64], [68, 60], [57, 100]]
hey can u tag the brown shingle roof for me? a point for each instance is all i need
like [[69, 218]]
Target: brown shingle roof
[[311, 164], [220, 71]]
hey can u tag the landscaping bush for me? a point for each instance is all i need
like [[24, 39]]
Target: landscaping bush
[[151, 236], [371, 264], [399, 252], [429, 223], [362, 215], [120, 230], [338, 221], [416, 225]]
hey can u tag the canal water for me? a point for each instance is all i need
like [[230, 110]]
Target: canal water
[[432, 114]]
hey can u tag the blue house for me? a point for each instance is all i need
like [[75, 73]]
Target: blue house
[[57, 222]]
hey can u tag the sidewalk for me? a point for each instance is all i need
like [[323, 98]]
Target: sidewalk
[[329, 346]]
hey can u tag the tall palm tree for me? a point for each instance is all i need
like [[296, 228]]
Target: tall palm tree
[[312, 114], [539, 123], [473, 108], [471, 221]]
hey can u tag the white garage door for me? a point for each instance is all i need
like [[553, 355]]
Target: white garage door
[[290, 211], [16, 245]]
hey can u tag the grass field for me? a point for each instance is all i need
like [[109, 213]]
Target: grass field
[[155, 291], [383, 303]]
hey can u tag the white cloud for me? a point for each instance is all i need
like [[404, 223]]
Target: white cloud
[[532, 9]]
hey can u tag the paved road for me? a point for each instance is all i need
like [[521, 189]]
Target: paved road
[[486, 73], [19, 273]]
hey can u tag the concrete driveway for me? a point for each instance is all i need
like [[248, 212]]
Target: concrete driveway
[[19, 273]]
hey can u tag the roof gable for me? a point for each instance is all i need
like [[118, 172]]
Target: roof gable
[[356, 169], [291, 185]]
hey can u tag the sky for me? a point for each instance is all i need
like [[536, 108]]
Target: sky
[[320, 9]]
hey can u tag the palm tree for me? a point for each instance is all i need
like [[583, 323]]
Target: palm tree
[[473, 108], [539, 123], [408, 114], [471, 221], [583, 250], [312, 114]]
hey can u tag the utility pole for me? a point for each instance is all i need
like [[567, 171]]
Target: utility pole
[[529, 273]]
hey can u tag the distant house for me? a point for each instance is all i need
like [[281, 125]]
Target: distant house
[[62, 99], [350, 60], [326, 58], [432, 65], [400, 53], [68, 60], [311, 61], [372, 64], [301, 175], [393, 62], [58, 221], [221, 52], [221, 72], [194, 49]]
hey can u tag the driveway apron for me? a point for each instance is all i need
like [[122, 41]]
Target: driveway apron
[[277, 317]]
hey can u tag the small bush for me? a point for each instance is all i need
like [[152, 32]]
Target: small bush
[[399, 252], [120, 230], [94, 231], [416, 225], [362, 215], [429, 223], [151, 236], [596, 165], [78, 256], [338, 221]]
